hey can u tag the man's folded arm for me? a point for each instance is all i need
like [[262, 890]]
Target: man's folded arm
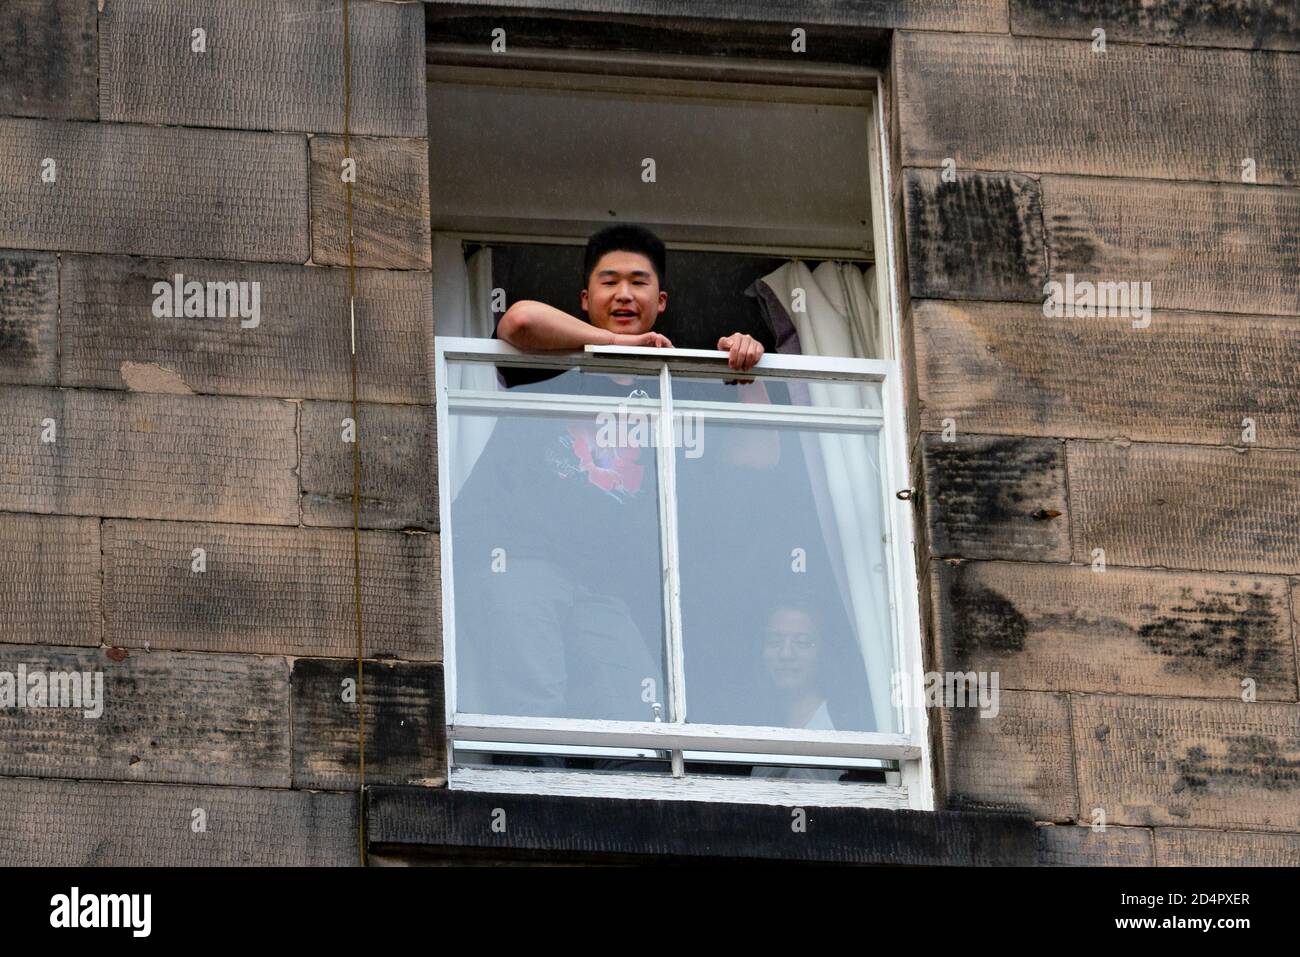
[[535, 326]]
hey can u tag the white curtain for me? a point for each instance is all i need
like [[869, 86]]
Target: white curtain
[[462, 300], [839, 318]]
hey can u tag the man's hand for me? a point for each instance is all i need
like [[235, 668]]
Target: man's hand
[[745, 351], [653, 339]]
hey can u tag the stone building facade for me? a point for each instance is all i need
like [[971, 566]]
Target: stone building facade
[[1108, 507]]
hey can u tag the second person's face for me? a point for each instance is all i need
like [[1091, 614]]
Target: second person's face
[[790, 650]]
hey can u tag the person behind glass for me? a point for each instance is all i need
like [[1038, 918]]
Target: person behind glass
[[565, 631], [791, 653], [793, 662]]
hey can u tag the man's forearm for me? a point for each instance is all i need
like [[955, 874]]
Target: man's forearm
[[532, 325]]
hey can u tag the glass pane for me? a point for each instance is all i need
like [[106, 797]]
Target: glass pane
[[555, 533], [778, 391], [514, 379], [784, 578]]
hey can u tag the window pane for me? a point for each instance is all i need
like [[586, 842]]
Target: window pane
[[555, 532], [784, 578]]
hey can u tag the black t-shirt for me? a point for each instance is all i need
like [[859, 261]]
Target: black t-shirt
[[555, 487], [548, 486]]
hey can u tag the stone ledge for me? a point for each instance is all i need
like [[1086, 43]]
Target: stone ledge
[[458, 824]]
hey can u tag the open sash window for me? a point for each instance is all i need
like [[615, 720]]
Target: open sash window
[[661, 578]]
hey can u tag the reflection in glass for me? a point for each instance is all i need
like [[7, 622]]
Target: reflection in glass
[[557, 568], [784, 579], [470, 436]]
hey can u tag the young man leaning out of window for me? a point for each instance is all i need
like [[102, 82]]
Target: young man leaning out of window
[[622, 300]]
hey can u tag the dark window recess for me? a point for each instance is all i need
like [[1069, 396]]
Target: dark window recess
[[706, 291], [843, 42]]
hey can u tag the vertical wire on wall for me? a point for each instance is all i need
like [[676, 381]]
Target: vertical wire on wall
[[356, 442]]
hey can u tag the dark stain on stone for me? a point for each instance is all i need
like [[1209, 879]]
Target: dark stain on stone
[[54, 75], [1225, 630], [44, 52], [1253, 760], [26, 291], [979, 237], [404, 724], [16, 345], [1073, 248], [967, 802], [976, 486], [984, 619], [1156, 20], [402, 718]]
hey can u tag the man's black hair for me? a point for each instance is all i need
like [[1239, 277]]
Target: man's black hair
[[625, 238]]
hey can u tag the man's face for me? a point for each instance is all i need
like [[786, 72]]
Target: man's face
[[623, 294]]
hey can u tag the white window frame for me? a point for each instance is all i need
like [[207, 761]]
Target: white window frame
[[907, 746], [912, 786]]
